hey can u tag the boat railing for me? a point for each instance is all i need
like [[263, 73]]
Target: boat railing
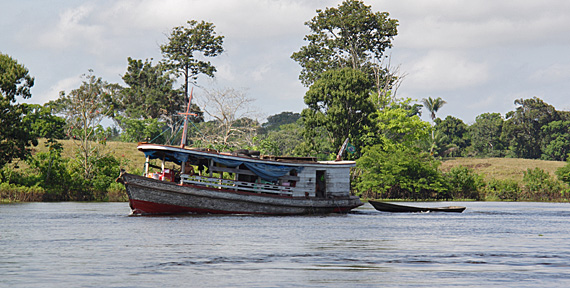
[[236, 185]]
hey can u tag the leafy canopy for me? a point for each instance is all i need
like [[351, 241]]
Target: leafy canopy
[[15, 135], [486, 134], [149, 94], [184, 46], [400, 172], [433, 105], [348, 36], [340, 103], [84, 109], [524, 126]]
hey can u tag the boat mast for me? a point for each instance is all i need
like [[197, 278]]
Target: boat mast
[[184, 131], [339, 155]]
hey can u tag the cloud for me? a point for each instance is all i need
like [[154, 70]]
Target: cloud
[[479, 24], [73, 29], [52, 93], [444, 71], [552, 74]]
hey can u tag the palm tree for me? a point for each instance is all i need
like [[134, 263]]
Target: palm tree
[[432, 105]]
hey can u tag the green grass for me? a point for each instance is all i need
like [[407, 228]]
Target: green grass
[[502, 168], [121, 150]]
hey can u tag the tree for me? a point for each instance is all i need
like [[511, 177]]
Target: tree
[[486, 134], [275, 121], [183, 43], [523, 126], [399, 172], [456, 132], [149, 94], [44, 123], [339, 102], [556, 143], [231, 110], [433, 105], [150, 102], [284, 140], [395, 128], [348, 36], [84, 109], [15, 135]]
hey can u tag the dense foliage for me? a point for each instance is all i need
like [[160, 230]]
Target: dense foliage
[[16, 135], [350, 35], [338, 102]]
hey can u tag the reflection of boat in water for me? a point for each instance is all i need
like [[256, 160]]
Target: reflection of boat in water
[[234, 183], [390, 207]]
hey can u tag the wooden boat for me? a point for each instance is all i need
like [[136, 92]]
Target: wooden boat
[[390, 207], [237, 183]]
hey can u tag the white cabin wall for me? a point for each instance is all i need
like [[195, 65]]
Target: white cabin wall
[[306, 182], [338, 181]]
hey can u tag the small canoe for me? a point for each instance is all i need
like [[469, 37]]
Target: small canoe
[[389, 207]]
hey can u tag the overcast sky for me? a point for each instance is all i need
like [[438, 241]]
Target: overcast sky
[[479, 56]]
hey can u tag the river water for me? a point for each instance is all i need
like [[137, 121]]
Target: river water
[[491, 244]]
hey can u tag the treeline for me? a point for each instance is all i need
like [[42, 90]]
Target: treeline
[[534, 130], [351, 95]]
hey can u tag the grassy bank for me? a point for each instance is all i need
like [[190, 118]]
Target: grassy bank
[[502, 168], [119, 150]]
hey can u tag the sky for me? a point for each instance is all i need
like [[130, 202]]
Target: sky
[[479, 56]]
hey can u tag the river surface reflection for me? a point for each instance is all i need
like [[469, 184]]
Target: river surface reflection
[[98, 245]]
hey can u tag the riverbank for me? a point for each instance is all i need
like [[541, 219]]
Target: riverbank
[[502, 168], [485, 179]]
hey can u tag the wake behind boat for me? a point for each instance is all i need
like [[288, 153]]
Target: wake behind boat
[[237, 183], [390, 207]]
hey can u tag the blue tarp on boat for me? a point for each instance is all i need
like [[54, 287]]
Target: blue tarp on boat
[[267, 172]]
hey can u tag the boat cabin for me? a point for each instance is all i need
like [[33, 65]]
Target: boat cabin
[[245, 171]]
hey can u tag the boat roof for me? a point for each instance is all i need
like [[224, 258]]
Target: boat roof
[[179, 155]]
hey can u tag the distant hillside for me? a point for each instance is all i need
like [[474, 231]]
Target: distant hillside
[[502, 168]]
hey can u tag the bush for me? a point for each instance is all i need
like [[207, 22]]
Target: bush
[[464, 183], [16, 193], [502, 190], [540, 186], [116, 193], [563, 173], [399, 173], [107, 170]]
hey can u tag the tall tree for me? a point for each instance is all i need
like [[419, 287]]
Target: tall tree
[[340, 103], [150, 93], [149, 102], [556, 143], [185, 43], [456, 132], [15, 135], [433, 105], [486, 134], [348, 36], [524, 126], [84, 109]]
